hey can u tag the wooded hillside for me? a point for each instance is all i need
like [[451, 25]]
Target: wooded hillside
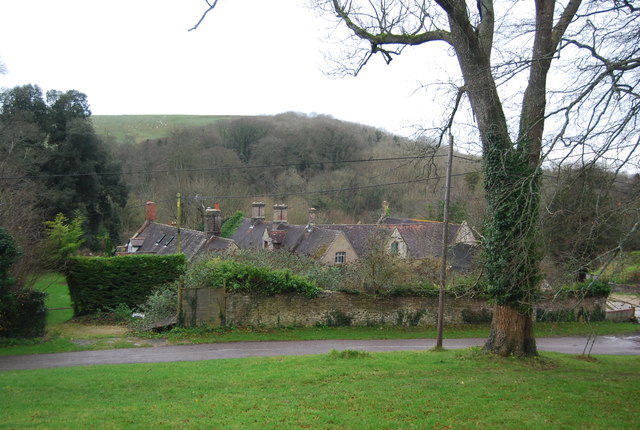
[[344, 170]]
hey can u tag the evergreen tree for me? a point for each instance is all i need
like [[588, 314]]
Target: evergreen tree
[[54, 142]]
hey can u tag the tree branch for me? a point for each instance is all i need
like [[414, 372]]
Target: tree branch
[[385, 37], [211, 7], [567, 16]]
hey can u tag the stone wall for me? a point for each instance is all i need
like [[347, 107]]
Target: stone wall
[[622, 288], [332, 308]]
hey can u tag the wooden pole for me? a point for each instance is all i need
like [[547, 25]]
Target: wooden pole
[[445, 244], [178, 216]]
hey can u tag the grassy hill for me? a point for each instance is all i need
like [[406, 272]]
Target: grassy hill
[[138, 128]]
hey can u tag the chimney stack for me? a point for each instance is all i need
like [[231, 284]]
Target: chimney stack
[[280, 213], [213, 221], [257, 212], [150, 211]]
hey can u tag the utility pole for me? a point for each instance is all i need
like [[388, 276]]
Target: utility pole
[[178, 216], [445, 243]]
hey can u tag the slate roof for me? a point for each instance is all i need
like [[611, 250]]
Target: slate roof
[[249, 234], [163, 239], [424, 239], [299, 239], [156, 238], [216, 243], [359, 235]]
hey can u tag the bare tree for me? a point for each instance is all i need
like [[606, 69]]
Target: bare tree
[[590, 108]]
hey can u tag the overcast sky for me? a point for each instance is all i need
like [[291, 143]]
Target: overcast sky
[[249, 57]]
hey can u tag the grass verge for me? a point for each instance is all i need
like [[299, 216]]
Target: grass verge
[[334, 391], [72, 336]]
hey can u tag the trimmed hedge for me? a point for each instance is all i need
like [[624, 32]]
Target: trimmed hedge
[[101, 283], [240, 277], [23, 314], [589, 288]]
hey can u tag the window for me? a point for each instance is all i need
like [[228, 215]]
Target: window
[[394, 248], [340, 257], [160, 240], [169, 241]]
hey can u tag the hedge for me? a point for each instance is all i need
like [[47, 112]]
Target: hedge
[[102, 283], [589, 288], [240, 277], [23, 314]]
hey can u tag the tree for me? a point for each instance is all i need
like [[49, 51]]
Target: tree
[[64, 238], [22, 311], [52, 144], [600, 40], [9, 254], [582, 218]]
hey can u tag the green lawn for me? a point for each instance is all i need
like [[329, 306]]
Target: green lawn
[[55, 285], [401, 390]]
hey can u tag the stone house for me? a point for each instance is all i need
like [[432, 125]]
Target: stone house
[[324, 244], [345, 243], [331, 244]]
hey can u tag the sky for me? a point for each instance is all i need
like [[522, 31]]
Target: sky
[[248, 57]]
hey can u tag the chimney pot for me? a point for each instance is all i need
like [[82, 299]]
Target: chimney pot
[[312, 217], [280, 213], [257, 211]]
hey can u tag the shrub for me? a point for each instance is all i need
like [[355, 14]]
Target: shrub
[[100, 283], [240, 277], [9, 254], [230, 226], [160, 308], [23, 314], [470, 286], [326, 277], [64, 238], [426, 289], [590, 288], [22, 311]]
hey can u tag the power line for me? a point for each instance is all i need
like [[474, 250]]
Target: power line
[[328, 191], [221, 168]]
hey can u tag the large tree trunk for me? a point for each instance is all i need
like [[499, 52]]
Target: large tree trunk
[[512, 175], [511, 333]]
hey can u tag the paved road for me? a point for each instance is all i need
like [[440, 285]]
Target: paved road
[[619, 345]]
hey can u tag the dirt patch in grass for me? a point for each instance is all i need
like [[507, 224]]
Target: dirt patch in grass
[[89, 330], [121, 342]]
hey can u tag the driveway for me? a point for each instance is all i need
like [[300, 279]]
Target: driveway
[[616, 345]]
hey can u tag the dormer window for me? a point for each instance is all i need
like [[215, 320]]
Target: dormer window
[[340, 257]]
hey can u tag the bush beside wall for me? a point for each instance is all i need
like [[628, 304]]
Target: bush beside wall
[[101, 283], [241, 277], [23, 314]]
